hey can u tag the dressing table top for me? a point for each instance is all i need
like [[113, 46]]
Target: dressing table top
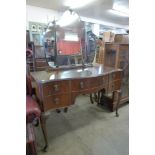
[[85, 72]]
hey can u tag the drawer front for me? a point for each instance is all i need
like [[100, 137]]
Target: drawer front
[[80, 84], [115, 76], [124, 54], [94, 82], [111, 47], [56, 101], [55, 88], [116, 85], [103, 80], [41, 64], [124, 48]]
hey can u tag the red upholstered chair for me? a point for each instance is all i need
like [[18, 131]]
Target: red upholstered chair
[[32, 110], [33, 113]]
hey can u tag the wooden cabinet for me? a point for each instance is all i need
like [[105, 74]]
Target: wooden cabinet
[[117, 55], [62, 92]]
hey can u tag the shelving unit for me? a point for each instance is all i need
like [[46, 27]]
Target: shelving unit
[[36, 63], [117, 55]]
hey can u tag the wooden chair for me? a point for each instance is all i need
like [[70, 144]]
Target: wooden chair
[[33, 115], [99, 58]]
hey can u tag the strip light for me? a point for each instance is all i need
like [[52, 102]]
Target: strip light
[[119, 13], [77, 3], [120, 9]]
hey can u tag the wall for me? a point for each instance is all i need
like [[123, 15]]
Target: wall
[[37, 14], [91, 20], [42, 15]]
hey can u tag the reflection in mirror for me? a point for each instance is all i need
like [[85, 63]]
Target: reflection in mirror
[[63, 41], [89, 45], [69, 46], [68, 41]]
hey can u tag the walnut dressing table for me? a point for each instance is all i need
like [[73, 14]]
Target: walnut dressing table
[[59, 88]]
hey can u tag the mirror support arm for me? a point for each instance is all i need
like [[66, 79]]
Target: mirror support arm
[[55, 44]]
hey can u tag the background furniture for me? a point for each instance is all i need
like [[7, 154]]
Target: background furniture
[[30, 57], [32, 114], [58, 89], [35, 62], [117, 55]]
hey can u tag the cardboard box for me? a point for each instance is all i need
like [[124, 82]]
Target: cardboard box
[[108, 36], [121, 38]]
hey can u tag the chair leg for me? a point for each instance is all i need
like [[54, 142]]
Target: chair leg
[[44, 130], [31, 147], [119, 93], [101, 99], [98, 97], [66, 109], [58, 110], [91, 99]]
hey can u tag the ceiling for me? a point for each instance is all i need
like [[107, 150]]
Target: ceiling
[[97, 9]]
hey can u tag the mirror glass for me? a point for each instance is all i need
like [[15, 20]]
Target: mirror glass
[[69, 41], [89, 46]]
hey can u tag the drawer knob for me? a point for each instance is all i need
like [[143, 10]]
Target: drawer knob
[[56, 88], [81, 85], [56, 100]]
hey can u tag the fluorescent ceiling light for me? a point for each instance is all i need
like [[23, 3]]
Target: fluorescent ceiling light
[[68, 18], [91, 20], [71, 37], [118, 13], [77, 3], [121, 8], [119, 31]]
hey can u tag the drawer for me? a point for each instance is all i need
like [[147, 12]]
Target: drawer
[[115, 76], [116, 85], [103, 80], [41, 63], [124, 48], [80, 84], [94, 82], [56, 101], [55, 88]]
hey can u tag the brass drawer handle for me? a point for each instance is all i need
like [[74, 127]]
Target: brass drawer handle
[[56, 88], [81, 85], [56, 100]]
